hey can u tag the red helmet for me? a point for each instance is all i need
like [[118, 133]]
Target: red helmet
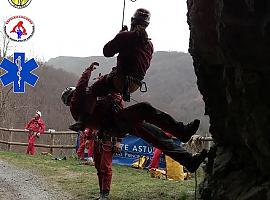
[[141, 17]]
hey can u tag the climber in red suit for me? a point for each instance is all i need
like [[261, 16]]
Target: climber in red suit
[[135, 51], [104, 148], [140, 119], [86, 142]]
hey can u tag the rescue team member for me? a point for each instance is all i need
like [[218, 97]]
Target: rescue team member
[[155, 159], [156, 155], [140, 119], [135, 51], [105, 146], [35, 127], [86, 142]]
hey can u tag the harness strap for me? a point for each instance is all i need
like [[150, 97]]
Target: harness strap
[[128, 80]]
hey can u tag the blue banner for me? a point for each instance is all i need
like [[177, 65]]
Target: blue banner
[[132, 148]]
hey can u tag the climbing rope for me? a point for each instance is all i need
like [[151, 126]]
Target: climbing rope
[[123, 13], [196, 185], [123, 16]]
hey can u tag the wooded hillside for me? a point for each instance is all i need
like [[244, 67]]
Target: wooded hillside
[[45, 96]]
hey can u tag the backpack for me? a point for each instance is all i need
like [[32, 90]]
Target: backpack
[[140, 162]]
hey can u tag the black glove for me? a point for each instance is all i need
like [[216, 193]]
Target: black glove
[[124, 28], [117, 148], [92, 66]]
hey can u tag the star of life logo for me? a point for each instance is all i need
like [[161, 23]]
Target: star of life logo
[[19, 72], [19, 28], [19, 3]]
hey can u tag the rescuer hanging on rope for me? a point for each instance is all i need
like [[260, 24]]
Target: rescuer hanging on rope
[[110, 116], [135, 51]]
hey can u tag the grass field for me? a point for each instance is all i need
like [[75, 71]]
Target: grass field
[[81, 180]]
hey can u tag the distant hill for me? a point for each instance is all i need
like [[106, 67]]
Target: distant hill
[[171, 82], [77, 65]]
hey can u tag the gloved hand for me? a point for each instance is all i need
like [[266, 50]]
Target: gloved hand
[[117, 148], [92, 66], [124, 28]]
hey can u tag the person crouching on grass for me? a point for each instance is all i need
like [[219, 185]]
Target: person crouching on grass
[[34, 127]]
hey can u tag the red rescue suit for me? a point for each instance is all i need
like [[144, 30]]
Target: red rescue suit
[[156, 155], [86, 135], [35, 125], [141, 119], [133, 61], [103, 154]]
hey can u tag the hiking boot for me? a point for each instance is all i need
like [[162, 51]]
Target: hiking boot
[[196, 160], [189, 130], [78, 126], [104, 196]]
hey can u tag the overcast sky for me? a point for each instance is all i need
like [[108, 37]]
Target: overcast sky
[[81, 28]]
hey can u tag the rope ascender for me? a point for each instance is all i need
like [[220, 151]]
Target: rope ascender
[[124, 8]]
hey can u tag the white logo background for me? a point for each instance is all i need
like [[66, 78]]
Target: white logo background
[[26, 23]]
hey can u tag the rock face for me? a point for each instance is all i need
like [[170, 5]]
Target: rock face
[[230, 46]]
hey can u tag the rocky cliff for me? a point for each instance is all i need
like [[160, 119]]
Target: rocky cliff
[[230, 43]]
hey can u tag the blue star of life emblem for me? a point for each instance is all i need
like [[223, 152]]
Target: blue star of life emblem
[[19, 72]]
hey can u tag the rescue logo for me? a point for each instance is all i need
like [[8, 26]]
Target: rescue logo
[[19, 72], [19, 28], [19, 3]]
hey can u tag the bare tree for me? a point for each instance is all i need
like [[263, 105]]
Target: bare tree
[[5, 45], [4, 92]]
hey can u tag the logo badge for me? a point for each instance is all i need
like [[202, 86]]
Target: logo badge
[[19, 3], [19, 72], [19, 28]]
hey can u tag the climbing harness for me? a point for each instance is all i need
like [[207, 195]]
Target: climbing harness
[[143, 87], [129, 83], [123, 14]]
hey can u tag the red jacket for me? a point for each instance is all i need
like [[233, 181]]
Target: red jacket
[[36, 125], [78, 98], [133, 58]]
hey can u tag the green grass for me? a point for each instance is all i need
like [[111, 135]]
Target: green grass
[[81, 180]]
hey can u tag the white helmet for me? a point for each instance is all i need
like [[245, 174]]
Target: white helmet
[[39, 113], [66, 93]]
